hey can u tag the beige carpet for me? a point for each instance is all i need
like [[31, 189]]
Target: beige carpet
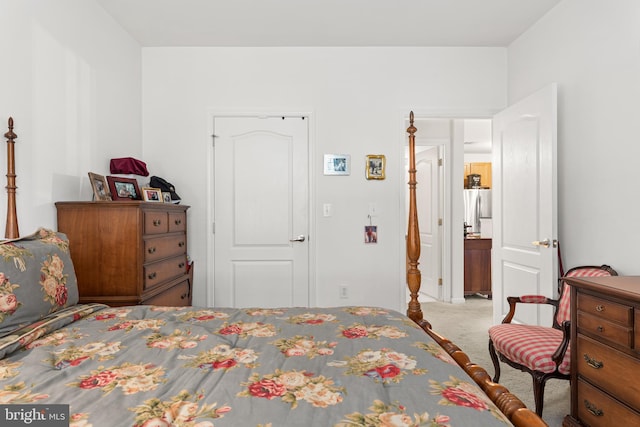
[[466, 325]]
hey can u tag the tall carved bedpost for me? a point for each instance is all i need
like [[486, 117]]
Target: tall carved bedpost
[[11, 231], [414, 311]]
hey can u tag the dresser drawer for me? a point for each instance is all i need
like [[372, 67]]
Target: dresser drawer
[[602, 328], [177, 221], [612, 370], [597, 409], [178, 295], [159, 272], [156, 222], [164, 247], [605, 309]]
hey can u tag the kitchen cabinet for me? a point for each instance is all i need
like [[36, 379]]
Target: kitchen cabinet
[[128, 252], [605, 351], [480, 168], [477, 266]]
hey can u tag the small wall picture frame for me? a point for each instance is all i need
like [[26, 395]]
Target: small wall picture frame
[[337, 164], [371, 234], [123, 188], [375, 166], [100, 187], [150, 194]]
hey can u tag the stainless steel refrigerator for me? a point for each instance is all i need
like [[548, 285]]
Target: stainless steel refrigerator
[[477, 204]]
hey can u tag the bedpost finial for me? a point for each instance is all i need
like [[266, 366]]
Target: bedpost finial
[[411, 129], [10, 135]]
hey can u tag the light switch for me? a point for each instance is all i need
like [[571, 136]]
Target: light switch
[[327, 209]]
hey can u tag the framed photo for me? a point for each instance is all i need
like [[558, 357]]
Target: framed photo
[[124, 188], [375, 166], [337, 164], [371, 234], [150, 194], [166, 197], [100, 187]]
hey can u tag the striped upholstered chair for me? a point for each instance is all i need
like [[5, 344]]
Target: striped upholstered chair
[[539, 350]]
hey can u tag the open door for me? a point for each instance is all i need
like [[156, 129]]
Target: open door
[[428, 170], [524, 258]]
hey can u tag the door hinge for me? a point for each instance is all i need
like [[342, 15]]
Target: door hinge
[[439, 221], [439, 281], [440, 162], [213, 228]]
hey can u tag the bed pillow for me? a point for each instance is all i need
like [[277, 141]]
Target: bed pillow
[[36, 279]]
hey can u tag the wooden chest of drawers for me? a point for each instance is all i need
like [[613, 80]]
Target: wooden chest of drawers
[[605, 351], [128, 252], [477, 266]]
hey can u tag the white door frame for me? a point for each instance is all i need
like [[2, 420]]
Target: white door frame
[[453, 209], [210, 202]]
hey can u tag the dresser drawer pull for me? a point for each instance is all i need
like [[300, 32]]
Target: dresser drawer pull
[[181, 244], [600, 328], [178, 221], [152, 275], [157, 222], [592, 362], [181, 265], [152, 250], [592, 408], [600, 307]]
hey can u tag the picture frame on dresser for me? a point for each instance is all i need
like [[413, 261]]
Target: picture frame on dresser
[[100, 187], [123, 188], [150, 194]]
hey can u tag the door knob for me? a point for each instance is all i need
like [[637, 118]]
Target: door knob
[[546, 243], [300, 238]]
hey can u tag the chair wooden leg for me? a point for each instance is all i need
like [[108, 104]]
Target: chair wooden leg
[[496, 363], [539, 382]]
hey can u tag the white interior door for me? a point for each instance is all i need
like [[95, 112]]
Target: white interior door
[[261, 212], [525, 204], [428, 204]]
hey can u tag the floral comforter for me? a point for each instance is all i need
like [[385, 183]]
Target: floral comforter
[[189, 366]]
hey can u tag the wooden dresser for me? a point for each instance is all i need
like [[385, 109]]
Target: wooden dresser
[[128, 252], [605, 352], [477, 266]]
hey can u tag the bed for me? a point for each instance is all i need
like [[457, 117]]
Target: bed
[[95, 365]]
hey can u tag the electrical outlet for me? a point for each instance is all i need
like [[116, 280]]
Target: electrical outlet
[[344, 291]]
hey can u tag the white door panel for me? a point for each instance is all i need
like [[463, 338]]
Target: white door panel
[[261, 207], [246, 274], [427, 174], [525, 204]]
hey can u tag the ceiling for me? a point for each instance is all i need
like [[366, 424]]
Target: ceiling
[[260, 23]]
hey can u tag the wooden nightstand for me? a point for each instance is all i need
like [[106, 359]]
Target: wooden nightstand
[[128, 252], [605, 351]]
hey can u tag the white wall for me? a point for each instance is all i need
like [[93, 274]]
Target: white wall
[[70, 77], [357, 98], [591, 48]]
